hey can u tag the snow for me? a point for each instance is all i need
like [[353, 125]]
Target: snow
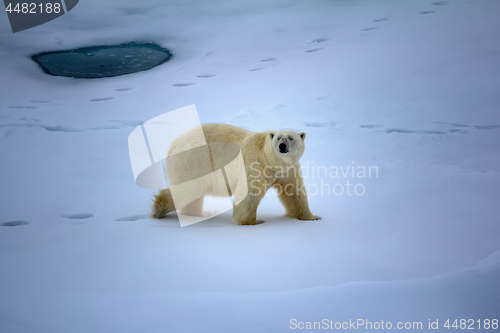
[[417, 98]]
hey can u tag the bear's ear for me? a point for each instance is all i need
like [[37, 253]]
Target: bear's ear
[[271, 135], [303, 135]]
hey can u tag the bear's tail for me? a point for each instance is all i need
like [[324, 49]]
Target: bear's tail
[[162, 204]]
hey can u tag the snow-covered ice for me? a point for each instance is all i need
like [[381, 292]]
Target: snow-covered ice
[[407, 87]]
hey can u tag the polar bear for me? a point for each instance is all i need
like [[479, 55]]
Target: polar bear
[[269, 159]]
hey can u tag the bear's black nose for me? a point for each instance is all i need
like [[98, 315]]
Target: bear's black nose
[[283, 148]]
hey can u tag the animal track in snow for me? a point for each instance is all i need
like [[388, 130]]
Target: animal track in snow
[[440, 3], [23, 123], [457, 125], [269, 59], [427, 12], [186, 84], [256, 69], [406, 131], [458, 131], [28, 119], [105, 127], [14, 223], [59, 128], [383, 19], [31, 122], [80, 216], [39, 101], [119, 125], [318, 124], [128, 123], [22, 107], [479, 127], [314, 50], [123, 89], [320, 40], [133, 218], [205, 76], [487, 127], [369, 29], [101, 99]]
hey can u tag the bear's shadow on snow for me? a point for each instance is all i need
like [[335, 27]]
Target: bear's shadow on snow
[[172, 221], [222, 221], [225, 221]]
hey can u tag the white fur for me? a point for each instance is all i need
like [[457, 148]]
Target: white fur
[[250, 173]]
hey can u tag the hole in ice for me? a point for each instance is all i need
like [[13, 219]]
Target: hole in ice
[[103, 61]]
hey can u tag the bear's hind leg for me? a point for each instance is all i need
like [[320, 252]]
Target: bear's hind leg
[[162, 204], [194, 208]]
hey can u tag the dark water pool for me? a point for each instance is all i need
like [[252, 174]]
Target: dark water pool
[[103, 61]]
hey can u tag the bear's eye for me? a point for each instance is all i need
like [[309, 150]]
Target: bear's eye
[[279, 138], [290, 138]]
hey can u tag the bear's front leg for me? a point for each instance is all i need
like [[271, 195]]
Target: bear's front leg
[[293, 196], [245, 213]]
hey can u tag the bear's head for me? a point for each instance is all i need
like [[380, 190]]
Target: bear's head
[[288, 145]]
